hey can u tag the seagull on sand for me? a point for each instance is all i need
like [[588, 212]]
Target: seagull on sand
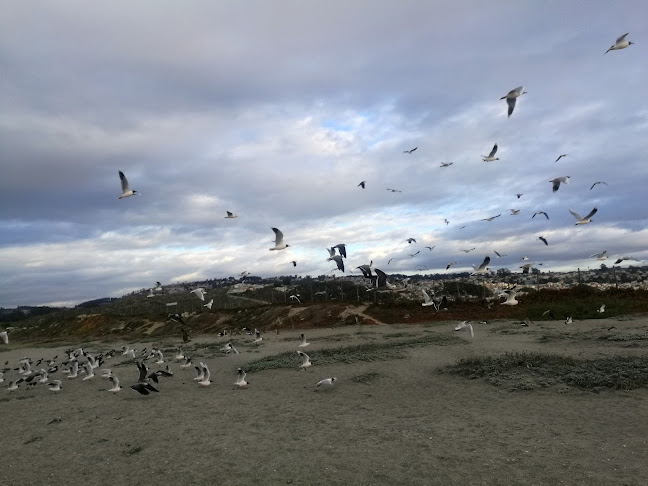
[[483, 267], [126, 192], [13, 385], [466, 326], [55, 385], [142, 386], [303, 341], [540, 212], [510, 299], [598, 182], [240, 379], [491, 157], [305, 360], [228, 347], [74, 370], [362, 184], [88, 370], [326, 382], [257, 337], [511, 98], [409, 151], [557, 181], [230, 215], [543, 239], [560, 157], [206, 375], [600, 256], [446, 164], [5, 337], [279, 243], [427, 299], [200, 293], [620, 43], [115, 384], [586, 219], [601, 310], [209, 304]]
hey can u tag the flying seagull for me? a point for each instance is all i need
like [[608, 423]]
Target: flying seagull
[[491, 218], [599, 182], [305, 360], [514, 212], [410, 240], [601, 310], [279, 243], [586, 219], [526, 267], [240, 378], [450, 264], [600, 256], [199, 292], [209, 304], [230, 215], [326, 382], [393, 190], [341, 248], [409, 151], [303, 341], [427, 300], [115, 382], [412, 255], [338, 260], [519, 195], [560, 157], [556, 182], [483, 267], [126, 191], [446, 164], [499, 255], [366, 269], [540, 212], [543, 239], [491, 157], [4, 336], [430, 247], [294, 263], [206, 375], [362, 184], [511, 98], [622, 259], [466, 326], [510, 299], [469, 250], [620, 43]]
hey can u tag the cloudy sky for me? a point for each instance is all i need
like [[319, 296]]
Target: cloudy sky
[[277, 110]]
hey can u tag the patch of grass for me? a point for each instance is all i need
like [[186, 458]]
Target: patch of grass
[[366, 378], [533, 370], [352, 354]]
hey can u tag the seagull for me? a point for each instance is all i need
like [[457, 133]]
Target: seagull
[[466, 326], [514, 212], [599, 182], [601, 310], [341, 248], [126, 192], [483, 267], [510, 300], [362, 184], [550, 313], [491, 157], [366, 269], [620, 43], [295, 298], [381, 279], [187, 363], [430, 247], [568, 320], [230, 215], [279, 244], [586, 219], [556, 182], [600, 256], [540, 212], [4, 336], [622, 259], [74, 370], [519, 195], [446, 221], [150, 294], [450, 264], [294, 263], [206, 375], [200, 293], [526, 322], [89, 371], [410, 240], [412, 255], [427, 299], [393, 190], [511, 98], [257, 337], [560, 157], [409, 151], [543, 239], [115, 382], [326, 382], [499, 255], [446, 164], [468, 251], [526, 267], [305, 360], [13, 385], [158, 287], [209, 304], [491, 218], [55, 385], [240, 379], [338, 260]]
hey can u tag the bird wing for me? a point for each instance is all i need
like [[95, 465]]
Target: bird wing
[[621, 39], [124, 181], [494, 151], [556, 184], [484, 263], [426, 297], [591, 213], [511, 105], [278, 236], [576, 215]]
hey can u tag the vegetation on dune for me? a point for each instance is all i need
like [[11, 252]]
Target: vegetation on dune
[[536, 370]]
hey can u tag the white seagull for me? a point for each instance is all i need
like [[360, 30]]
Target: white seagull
[[601, 310], [206, 375], [586, 219], [510, 300], [4, 336], [427, 299], [199, 292], [115, 382], [257, 337], [240, 379], [491, 157], [89, 371], [279, 243], [511, 98], [338, 261], [466, 326], [209, 304], [620, 43], [600, 256], [326, 382], [305, 360], [230, 215], [126, 192], [483, 268], [556, 182], [303, 341], [55, 385]]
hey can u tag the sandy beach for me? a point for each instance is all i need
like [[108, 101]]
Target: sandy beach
[[398, 421]]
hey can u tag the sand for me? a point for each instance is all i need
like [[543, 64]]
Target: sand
[[395, 422]]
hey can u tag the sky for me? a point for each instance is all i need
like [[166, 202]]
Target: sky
[[277, 110]]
